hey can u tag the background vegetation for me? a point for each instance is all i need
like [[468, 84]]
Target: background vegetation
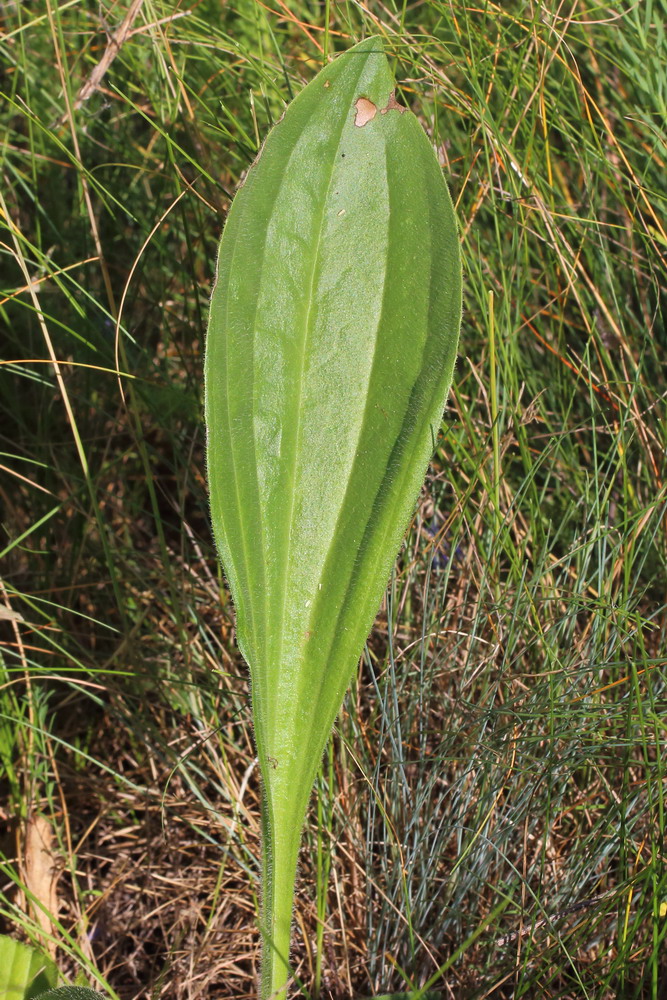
[[492, 802]]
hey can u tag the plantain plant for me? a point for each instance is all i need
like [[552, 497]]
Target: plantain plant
[[331, 344]]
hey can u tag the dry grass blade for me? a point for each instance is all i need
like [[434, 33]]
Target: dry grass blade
[[113, 47], [40, 864]]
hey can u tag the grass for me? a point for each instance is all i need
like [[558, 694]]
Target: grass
[[492, 803]]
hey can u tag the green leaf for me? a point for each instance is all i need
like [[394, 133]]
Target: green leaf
[[24, 972], [332, 338], [405, 996], [71, 993]]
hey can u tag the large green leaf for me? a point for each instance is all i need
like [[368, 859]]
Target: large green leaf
[[332, 337], [24, 972], [71, 993]]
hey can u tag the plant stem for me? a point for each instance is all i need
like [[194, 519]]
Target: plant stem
[[280, 849]]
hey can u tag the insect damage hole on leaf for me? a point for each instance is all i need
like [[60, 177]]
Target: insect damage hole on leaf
[[393, 105], [366, 110]]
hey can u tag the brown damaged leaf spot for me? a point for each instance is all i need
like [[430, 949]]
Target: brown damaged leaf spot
[[366, 112], [393, 105]]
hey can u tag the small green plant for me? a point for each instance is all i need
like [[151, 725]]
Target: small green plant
[[25, 972], [71, 993], [331, 344]]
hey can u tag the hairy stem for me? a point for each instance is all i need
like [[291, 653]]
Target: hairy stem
[[280, 850]]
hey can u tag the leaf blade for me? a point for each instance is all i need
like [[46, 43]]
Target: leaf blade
[[25, 972], [332, 339]]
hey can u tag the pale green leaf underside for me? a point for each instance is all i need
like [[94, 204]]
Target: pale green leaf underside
[[332, 339]]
